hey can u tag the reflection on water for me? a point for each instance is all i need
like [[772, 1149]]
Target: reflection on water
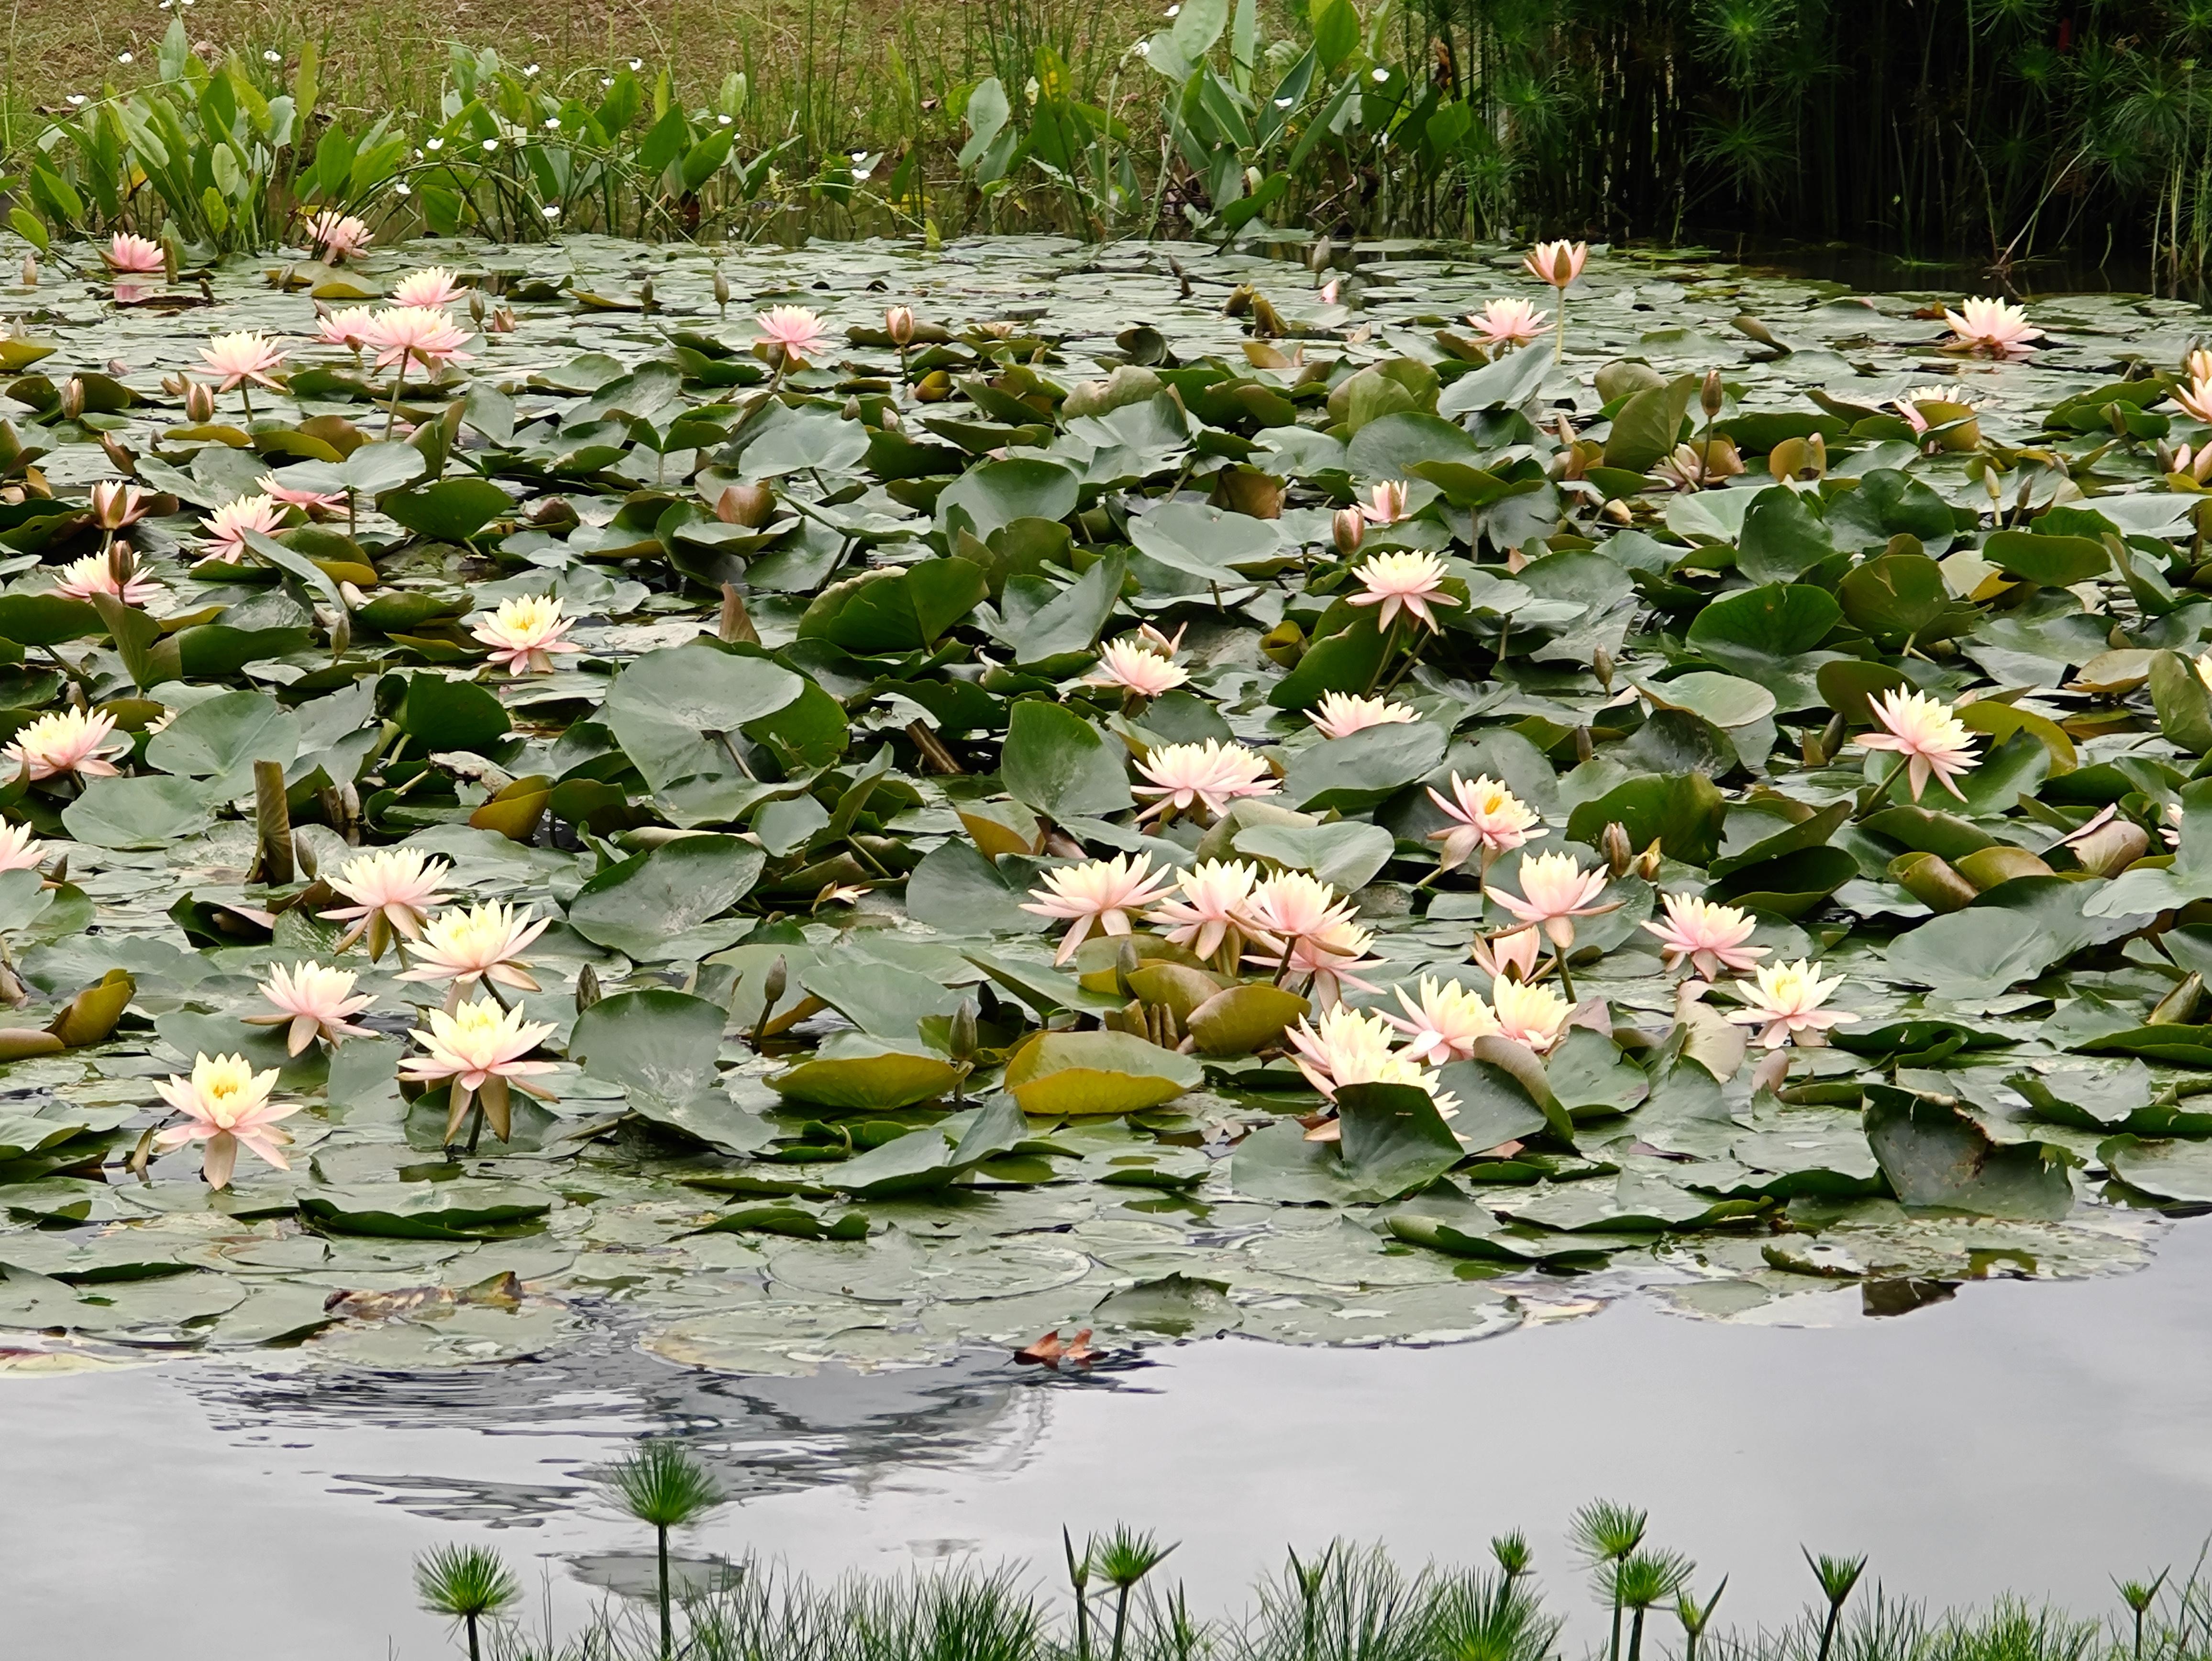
[[2073, 270], [762, 1435]]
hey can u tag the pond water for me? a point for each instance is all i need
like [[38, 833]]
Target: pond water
[[2015, 1436], [855, 1389]]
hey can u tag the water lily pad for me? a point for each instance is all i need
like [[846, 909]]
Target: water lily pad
[[1078, 1073]]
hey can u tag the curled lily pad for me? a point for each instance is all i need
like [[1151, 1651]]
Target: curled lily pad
[[1081, 1073], [858, 1071]]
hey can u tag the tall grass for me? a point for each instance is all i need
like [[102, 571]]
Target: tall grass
[[1346, 1603]]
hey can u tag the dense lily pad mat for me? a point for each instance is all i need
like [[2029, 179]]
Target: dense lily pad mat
[[860, 677]]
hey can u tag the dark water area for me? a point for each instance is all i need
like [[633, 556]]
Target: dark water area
[[2030, 1437], [1869, 269]]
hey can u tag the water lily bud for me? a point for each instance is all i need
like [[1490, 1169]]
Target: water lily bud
[[1350, 530], [115, 504], [30, 270], [1612, 843], [341, 628], [2112, 848], [898, 323], [721, 289], [1585, 747], [1320, 256], [73, 397], [476, 308], [1125, 964], [1930, 879], [1711, 394], [120, 455], [2178, 1008], [199, 404], [587, 988], [1646, 864], [122, 565], [749, 505], [645, 295], [1602, 666], [963, 1039], [890, 422], [1832, 737], [176, 385], [773, 985]]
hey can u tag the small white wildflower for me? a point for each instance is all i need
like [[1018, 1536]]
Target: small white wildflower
[[722, 120], [530, 69], [122, 57], [491, 143], [552, 123], [637, 63], [272, 56], [437, 144], [1381, 76], [551, 210]]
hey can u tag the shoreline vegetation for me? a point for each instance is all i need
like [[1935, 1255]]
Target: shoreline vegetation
[[2004, 134], [1345, 1602]]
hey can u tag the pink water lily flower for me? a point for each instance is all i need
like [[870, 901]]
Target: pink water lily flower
[[393, 891], [1385, 504], [312, 1002], [1290, 905], [227, 1105], [1340, 715], [1325, 959], [1927, 733], [1102, 894], [1444, 1024], [1206, 912], [1408, 578], [1514, 954], [20, 850], [416, 334], [2196, 398], [95, 574], [246, 356], [1554, 891], [1996, 327], [432, 286], [525, 633], [1210, 776], [314, 503], [353, 328], [1510, 323], [1908, 407], [1785, 1003], [117, 506], [797, 331], [1134, 666], [1486, 815], [1708, 936], [478, 1050], [134, 256], [1351, 1046], [484, 943], [338, 236], [65, 741], [1556, 263], [1527, 1013], [227, 527]]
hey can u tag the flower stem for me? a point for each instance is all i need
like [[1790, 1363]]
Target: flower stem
[[1882, 791], [1559, 334], [1567, 980], [391, 415]]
